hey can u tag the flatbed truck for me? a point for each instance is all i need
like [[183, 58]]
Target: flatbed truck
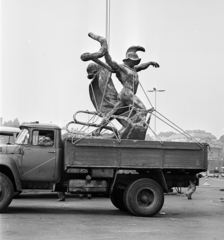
[[135, 174]]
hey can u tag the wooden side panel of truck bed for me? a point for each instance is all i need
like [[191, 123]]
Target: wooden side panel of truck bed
[[95, 153]]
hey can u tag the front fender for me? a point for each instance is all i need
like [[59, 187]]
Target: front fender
[[9, 167]]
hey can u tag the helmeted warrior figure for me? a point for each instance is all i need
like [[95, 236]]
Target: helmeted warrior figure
[[127, 75]]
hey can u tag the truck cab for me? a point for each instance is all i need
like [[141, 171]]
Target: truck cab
[[33, 162], [41, 152]]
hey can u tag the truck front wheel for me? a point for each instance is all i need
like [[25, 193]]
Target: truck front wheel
[[6, 192], [144, 197]]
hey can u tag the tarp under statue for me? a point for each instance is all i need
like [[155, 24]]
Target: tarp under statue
[[124, 106]]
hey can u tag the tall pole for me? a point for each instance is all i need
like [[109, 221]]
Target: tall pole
[[155, 108], [155, 90], [108, 22]]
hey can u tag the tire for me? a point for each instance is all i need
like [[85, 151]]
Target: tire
[[144, 197], [117, 198], [6, 192]]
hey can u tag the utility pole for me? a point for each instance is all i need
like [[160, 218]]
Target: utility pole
[[155, 90], [108, 22]]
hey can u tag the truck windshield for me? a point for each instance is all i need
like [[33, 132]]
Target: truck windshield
[[23, 137], [6, 138]]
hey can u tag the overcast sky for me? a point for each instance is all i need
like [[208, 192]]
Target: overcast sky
[[43, 77]]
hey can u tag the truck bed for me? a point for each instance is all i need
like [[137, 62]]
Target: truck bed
[[134, 154]]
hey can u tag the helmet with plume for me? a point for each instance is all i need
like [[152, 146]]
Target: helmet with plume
[[131, 54]]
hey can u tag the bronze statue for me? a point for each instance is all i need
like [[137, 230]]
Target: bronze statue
[[124, 105], [127, 75]]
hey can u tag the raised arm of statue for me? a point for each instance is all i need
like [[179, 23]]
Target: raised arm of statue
[[115, 66], [95, 56], [100, 53], [144, 66]]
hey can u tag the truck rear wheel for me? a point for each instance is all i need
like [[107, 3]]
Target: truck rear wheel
[[117, 198], [144, 197], [6, 192]]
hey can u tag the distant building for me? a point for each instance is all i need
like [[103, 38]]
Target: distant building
[[215, 156], [215, 151], [199, 135]]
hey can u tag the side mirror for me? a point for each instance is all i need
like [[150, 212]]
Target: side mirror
[[26, 140]]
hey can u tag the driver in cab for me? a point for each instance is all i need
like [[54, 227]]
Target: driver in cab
[[46, 140]]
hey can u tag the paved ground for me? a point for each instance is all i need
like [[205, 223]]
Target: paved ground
[[40, 216]]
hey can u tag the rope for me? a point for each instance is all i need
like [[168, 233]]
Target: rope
[[161, 141], [75, 134], [178, 129], [115, 134], [89, 134], [103, 94], [145, 94], [94, 96], [131, 108], [133, 89]]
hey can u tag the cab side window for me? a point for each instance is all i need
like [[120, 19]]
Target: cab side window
[[43, 138]]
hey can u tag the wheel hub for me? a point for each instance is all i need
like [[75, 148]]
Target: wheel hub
[[145, 197]]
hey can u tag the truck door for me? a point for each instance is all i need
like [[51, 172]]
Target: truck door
[[39, 156]]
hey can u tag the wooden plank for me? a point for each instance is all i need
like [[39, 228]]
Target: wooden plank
[[183, 159], [88, 155], [135, 144], [141, 158]]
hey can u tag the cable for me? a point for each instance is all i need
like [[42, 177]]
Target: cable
[[178, 129], [94, 96], [145, 94]]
